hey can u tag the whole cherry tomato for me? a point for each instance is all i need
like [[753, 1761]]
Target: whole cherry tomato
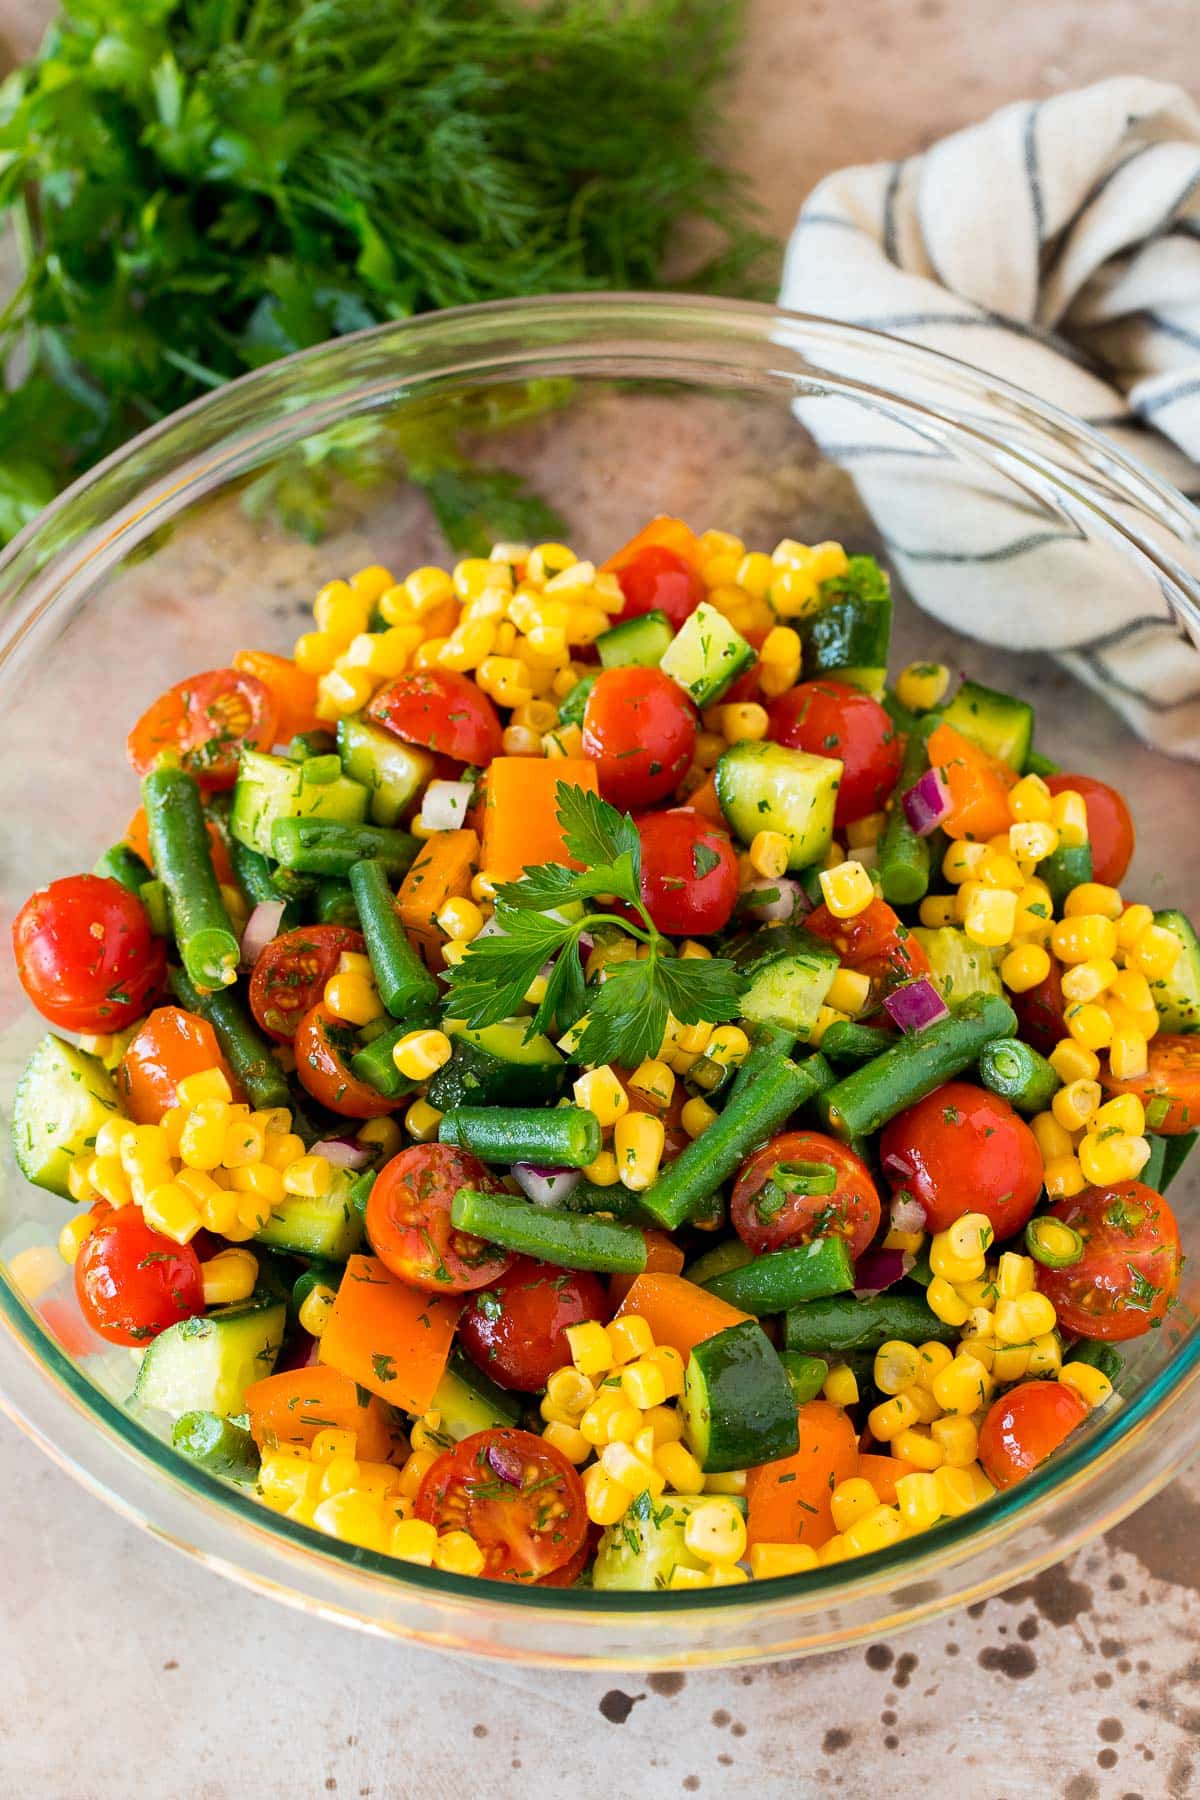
[[689, 873], [1110, 825], [831, 718], [323, 1047], [517, 1496], [1170, 1088], [442, 711], [290, 975], [639, 728], [963, 1149], [1025, 1426], [851, 1210], [86, 955], [133, 1282], [408, 1220], [515, 1329], [660, 580], [874, 943], [1129, 1272], [171, 1044], [208, 720]]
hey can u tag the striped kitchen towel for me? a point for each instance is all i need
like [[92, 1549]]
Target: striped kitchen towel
[[1055, 245]]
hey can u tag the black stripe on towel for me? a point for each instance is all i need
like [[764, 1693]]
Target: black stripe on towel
[[891, 248], [1032, 175], [1002, 553], [1148, 409]]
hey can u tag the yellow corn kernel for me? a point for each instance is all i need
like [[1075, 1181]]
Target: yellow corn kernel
[[593, 1421], [1010, 1362], [202, 1139], [1063, 1177], [876, 1531], [1084, 938], [933, 1357], [644, 1385], [340, 612], [383, 1135], [892, 1416], [767, 1561], [897, 1366], [919, 1448], [1074, 1104], [343, 691], [1024, 967], [353, 998], [604, 1171], [696, 1116], [1072, 1061], [1088, 980], [1030, 799], [1027, 1317], [847, 889], [834, 856], [426, 656], [683, 1575], [1015, 1275], [309, 1177], [421, 1122], [1132, 922], [170, 1209], [1092, 1385], [519, 740], [414, 1541], [864, 833], [945, 1303], [679, 1469], [769, 852], [833, 1550], [1104, 1160], [962, 860], [918, 1501], [956, 1491], [970, 1237], [458, 1554], [282, 1148], [1045, 1355], [230, 1275], [1128, 1054], [922, 685], [315, 1309], [849, 992], [145, 1148], [567, 1438], [938, 910], [729, 1046], [664, 1425], [638, 1143], [655, 1080], [744, 722], [715, 1532], [840, 1385], [622, 1463], [999, 869], [461, 919], [599, 1092], [965, 1385], [316, 652], [1068, 811], [951, 1267], [629, 1337], [245, 1141], [204, 1084], [420, 1054], [72, 1236], [590, 1347], [1032, 840], [1090, 1025], [779, 659], [1125, 1112], [989, 916], [568, 1393], [1094, 897], [852, 1499], [1154, 953], [468, 644], [957, 1437], [606, 1499]]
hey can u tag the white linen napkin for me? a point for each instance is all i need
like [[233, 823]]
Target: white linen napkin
[[1056, 245]]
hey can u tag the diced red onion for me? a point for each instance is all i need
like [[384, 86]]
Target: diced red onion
[[343, 1153], [876, 1270], [916, 1005], [782, 899], [261, 927], [545, 1186], [444, 805], [586, 943], [906, 1214], [506, 1464], [927, 802]]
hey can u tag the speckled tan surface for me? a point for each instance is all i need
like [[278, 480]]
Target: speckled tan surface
[[130, 1672]]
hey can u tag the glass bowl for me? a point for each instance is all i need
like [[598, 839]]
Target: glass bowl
[[212, 532]]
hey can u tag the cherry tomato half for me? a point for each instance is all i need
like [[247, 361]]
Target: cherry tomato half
[[86, 955], [962, 1149], [133, 1282], [209, 720], [1170, 1087], [689, 873], [442, 711], [517, 1495], [639, 728], [515, 1330], [1110, 825], [408, 1221], [831, 718], [1025, 1426], [290, 975], [1039, 1011], [851, 1210], [660, 580], [874, 942], [1129, 1272], [171, 1044], [323, 1047]]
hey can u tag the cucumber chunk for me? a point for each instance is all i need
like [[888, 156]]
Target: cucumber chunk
[[392, 771], [706, 655], [738, 1408], [62, 1100], [468, 1401], [494, 1066], [852, 625], [271, 788], [789, 974], [330, 1227], [207, 1363], [871, 681], [640, 1552], [956, 965], [1177, 995], [999, 723], [767, 787], [641, 641]]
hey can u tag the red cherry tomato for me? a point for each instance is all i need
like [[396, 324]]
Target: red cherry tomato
[[517, 1495], [208, 720], [1039, 1012], [133, 1282], [659, 580], [441, 710], [961, 1150], [515, 1331], [408, 1220], [1129, 1273], [1110, 826], [290, 975], [874, 942], [323, 1047], [86, 955], [639, 728], [689, 873], [1025, 1426], [851, 1210], [1170, 1087], [831, 718], [171, 1044]]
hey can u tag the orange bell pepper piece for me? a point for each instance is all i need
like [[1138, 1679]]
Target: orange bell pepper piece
[[978, 785], [788, 1500], [883, 1472], [668, 533], [137, 836], [520, 820], [677, 1311], [704, 801], [294, 692], [291, 1407], [390, 1338], [441, 872], [663, 1257]]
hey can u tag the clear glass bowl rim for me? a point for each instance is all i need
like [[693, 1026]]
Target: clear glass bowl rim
[[174, 459]]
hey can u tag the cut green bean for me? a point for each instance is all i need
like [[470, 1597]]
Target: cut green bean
[[360, 1190], [845, 1041], [404, 983], [330, 847], [335, 903], [749, 1118], [375, 1065], [784, 1278], [903, 856], [567, 1137], [247, 1052], [1018, 1073], [566, 1239], [865, 1100], [769, 1042], [822, 1072], [620, 1201], [153, 896], [732, 1254], [217, 1445], [844, 1323], [252, 872], [182, 852], [806, 1374], [124, 865]]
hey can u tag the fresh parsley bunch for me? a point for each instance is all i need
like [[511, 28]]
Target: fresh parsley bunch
[[627, 1011]]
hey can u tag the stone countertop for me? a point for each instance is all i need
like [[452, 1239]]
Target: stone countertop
[[134, 1672]]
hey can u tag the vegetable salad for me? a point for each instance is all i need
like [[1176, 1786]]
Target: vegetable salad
[[574, 1078]]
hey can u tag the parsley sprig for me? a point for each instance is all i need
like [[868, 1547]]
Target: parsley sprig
[[627, 1011]]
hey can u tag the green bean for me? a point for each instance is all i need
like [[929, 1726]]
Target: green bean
[[153, 896], [329, 847], [403, 981], [248, 1053], [806, 1374], [903, 856], [845, 1041], [1065, 869], [216, 1444], [784, 1278], [360, 1190], [843, 1323], [252, 872], [749, 1118], [567, 1137], [769, 1042], [335, 904], [732, 1254], [866, 1099], [182, 852], [568, 1240], [620, 1201], [1018, 1073], [374, 1063], [124, 865]]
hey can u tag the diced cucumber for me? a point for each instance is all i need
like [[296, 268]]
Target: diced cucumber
[[494, 1066], [642, 641], [271, 788], [467, 1400], [329, 1227], [738, 1408], [1177, 995], [871, 681], [207, 1363], [392, 771], [956, 965], [853, 622], [640, 1552], [999, 723], [706, 655], [573, 705], [62, 1100], [767, 787], [789, 974], [1066, 868]]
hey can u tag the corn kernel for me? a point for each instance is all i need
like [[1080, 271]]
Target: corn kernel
[[606, 1499], [170, 1209], [599, 1092], [1090, 1025], [715, 1533], [421, 1122], [204, 1084], [1015, 1275], [654, 1080], [922, 685], [964, 1386], [229, 1276], [1024, 968], [414, 1541], [990, 916], [282, 1148], [604, 1172], [420, 1054], [643, 1385], [1029, 1316], [1072, 1061], [956, 1491], [769, 853], [664, 1425], [629, 1337], [729, 1046], [768, 1561], [590, 1347], [852, 1499], [962, 860], [833, 1550], [897, 1366], [893, 1416], [849, 992], [309, 1177], [315, 1309], [847, 889], [1155, 952], [877, 1531], [933, 1356], [316, 652], [945, 1304], [999, 869], [638, 1143], [1128, 1055], [382, 1134], [1030, 799], [353, 998], [1105, 1161], [1132, 922], [918, 1501], [1092, 1385], [950, 1267], [245, 1141], [679, 1469], [1063, 1177], [73, 1235], [1068, 811], [1074, 1104], [938, 910], [343, 691], [1084, 938], [1032, 840], [919, 1448], [840, 1385], [957, 1436]]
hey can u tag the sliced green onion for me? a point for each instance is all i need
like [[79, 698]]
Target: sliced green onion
[[1053, 1244], [805, 1177]]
